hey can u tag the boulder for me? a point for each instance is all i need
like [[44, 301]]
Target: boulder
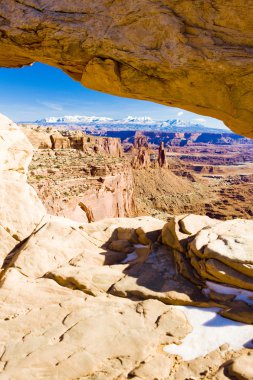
[[121, 246], [179, 229], [21, 211], [15, 149], [242, 367], [224, 253], [228, 241]]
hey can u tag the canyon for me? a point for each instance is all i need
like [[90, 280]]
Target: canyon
[[87, 178], [79, 176], [212, 177], [66, 285]]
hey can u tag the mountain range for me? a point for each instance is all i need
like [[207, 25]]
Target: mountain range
[[128, 123]]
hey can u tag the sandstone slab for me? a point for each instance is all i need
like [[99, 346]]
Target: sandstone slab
[[67, 326], [157, 278], [90, 279], [230, 240], [53, 245], [179, 229], [239, 311], [242, 367]]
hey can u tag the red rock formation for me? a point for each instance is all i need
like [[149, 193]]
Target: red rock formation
[[84, 179], [76, 139], [141, 158], [87, 143], [106, 145], [161, 155], [59, 141], [82, 187], [140, 140], [47, 139], [140, 151], [38, 138]]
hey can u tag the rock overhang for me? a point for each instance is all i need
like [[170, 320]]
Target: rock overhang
[[192, 55]]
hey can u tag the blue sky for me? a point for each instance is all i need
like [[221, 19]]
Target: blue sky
[[39, 91]]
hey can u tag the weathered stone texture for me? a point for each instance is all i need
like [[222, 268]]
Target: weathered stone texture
[[196, 55]]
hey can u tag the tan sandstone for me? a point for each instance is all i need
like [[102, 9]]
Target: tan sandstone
[[193, 55], [242, 367]]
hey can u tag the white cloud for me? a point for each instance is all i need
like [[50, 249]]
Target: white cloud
[[200, 120], [51, 106], [180, 113]]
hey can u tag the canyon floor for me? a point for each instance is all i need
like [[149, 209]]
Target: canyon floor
[[88, 182], [199, 180]]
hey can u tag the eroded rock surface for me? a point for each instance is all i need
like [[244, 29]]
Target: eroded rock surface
[[21, 211], [80, 176], [206, 249], [53, 332], [193, 55]]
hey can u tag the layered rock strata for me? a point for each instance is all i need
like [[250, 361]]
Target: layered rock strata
[[67, 139], [186, 54], [81, 177], [210, 250], [81, 186]]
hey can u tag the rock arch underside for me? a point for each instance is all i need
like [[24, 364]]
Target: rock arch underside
[[71, 305], [196, 55]]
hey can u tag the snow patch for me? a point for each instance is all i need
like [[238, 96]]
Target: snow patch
[[139, 245], [241, 294], [210, 331], [130, 257]]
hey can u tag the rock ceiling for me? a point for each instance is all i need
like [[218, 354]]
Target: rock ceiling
[[195, 55]]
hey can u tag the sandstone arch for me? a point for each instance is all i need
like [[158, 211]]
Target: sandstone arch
[[196, 55]]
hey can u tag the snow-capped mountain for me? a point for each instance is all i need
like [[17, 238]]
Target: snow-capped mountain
[[130, 123], [138, 120], [75, 119]]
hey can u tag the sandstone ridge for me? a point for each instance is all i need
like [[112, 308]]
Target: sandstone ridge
[[187, 54]]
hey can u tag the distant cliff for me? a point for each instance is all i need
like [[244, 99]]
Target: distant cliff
[[181, 138], [79, 176]]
